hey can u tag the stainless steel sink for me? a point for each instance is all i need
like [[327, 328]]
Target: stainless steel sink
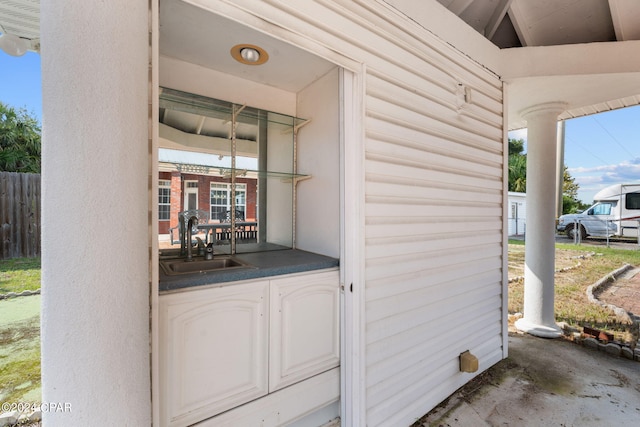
[[172, 253], [199, 265]]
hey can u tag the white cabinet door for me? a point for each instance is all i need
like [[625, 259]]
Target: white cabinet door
[[305, 327], [214, 350]]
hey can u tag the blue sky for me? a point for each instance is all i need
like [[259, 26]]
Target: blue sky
[[20, 85], [600, 150]]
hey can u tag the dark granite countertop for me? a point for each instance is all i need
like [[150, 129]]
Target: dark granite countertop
[[263, 264]]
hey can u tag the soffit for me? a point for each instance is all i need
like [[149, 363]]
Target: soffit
[[21, 18]]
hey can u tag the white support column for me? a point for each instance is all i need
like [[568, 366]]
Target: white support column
[[539, 267], [95, 192]]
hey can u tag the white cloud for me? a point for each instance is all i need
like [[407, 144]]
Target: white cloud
[[519, 134], [593, 179], [627, 171]]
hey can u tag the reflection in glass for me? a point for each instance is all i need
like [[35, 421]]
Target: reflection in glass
[[211, 150]]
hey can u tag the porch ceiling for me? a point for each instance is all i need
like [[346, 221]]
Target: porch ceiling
[[21, 18], [518, 23]]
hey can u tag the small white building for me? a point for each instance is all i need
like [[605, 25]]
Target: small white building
[[517, 211], [392, 171]]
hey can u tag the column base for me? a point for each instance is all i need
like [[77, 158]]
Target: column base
[[541, 331]]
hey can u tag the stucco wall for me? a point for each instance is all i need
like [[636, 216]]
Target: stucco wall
[[95, 260]]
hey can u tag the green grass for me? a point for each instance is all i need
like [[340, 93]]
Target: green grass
[[571, 303], [20, 352], [19, 274], [20, 331]]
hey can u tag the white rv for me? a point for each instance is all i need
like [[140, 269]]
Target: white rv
[[616, 212]]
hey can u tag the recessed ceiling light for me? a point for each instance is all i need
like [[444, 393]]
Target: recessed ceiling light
[[249, 54]]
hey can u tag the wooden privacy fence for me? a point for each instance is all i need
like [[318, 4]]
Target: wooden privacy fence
[[19, 215]]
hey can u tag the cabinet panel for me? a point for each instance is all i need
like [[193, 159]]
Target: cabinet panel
[[305, 327], [214, 351]]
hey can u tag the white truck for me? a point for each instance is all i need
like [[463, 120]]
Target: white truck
[[615, 212]]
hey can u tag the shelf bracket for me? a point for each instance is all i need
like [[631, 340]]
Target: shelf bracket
[[297, 127], [296, 179]]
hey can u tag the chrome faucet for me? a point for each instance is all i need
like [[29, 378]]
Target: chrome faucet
[[192, 222]]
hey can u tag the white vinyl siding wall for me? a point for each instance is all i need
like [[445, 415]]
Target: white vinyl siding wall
[[433, 214], [433, 201]]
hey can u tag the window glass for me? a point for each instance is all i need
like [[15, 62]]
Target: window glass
[[215, 143], [602, 209], [221, 200], [632, 201], [164, 200]]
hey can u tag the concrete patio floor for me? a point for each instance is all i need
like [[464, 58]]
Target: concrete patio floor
[[546, 383]]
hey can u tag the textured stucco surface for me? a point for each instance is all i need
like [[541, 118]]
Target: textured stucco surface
[[95, 310]]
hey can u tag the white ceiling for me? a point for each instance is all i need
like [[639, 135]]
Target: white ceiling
[[194, 35]]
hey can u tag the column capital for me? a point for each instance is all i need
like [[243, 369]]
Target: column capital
[[546, 108]]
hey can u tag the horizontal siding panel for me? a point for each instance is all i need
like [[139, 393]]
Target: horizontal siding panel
[[419, 319], [406, 230], [383, 209], [420, 159], [381, 247], [408, 35], [411, 282], [481, 284], [417, 155], [448, 345], [480, 107], [381, 185], [387, 206], [381, 270], [422, 362], [427, 119], [415, 271], [415, 104], [368, 33], [408, 168], [377, 225], [390, 206], [417, 365], [394, 40], [447, 361], [428, 392], [402, 134]]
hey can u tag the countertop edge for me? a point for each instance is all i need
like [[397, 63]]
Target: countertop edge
[[264, 264]]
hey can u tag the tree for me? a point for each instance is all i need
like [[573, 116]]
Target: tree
[[569, 186], [20, 141], [516, 146], [518, 173], [518, 178], [517, 166]]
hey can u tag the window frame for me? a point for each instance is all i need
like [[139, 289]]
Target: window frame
[[241, 188], [164, 193]]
